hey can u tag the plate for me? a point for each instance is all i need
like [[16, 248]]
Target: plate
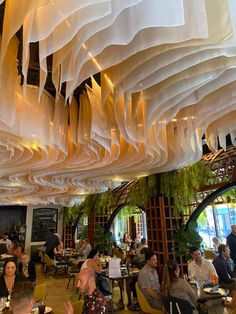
[[48, 309], [218, 291], [192, 282]]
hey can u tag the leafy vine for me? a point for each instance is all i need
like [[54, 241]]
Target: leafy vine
[[179, 185]]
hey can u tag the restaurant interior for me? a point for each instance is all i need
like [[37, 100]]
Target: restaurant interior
[[117, 117]]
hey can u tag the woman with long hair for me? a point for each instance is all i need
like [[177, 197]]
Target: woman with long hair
[[9, 278], [93, 261], [173, 285]]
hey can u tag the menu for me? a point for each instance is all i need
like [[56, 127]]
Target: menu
[[43, 220]]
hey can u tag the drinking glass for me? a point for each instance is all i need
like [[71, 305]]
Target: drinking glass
[[2, 304], [213, 279], [42, 307], [192, 275]]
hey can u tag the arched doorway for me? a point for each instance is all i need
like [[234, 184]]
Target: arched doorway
[[130, 219], [215, 215]]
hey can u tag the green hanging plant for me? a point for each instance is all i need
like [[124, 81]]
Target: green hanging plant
[[129, 211], [185, 238], [182, 183], [139, 193], [71, 213]]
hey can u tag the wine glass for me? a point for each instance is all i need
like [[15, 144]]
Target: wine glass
[[2, 304]]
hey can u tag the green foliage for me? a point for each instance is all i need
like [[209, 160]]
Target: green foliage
[[179, 184], [202, 219], [182, 183], [185, 238], [102, 239], [139, 192], [84, 233], [230, 196], [129, 211], [71, 213]]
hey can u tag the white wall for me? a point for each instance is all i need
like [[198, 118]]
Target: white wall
[[29, 220]]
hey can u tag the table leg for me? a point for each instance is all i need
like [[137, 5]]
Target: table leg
[[125, 297]]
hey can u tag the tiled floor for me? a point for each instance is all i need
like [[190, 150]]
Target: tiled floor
[[57, 293]]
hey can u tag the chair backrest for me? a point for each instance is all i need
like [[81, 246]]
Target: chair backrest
[[3, 248], [78, 306], [145, 306], [48, 260], [40, 292], [177, 306]]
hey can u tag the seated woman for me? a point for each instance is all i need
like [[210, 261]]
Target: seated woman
[[58, 250], [132, 249], [118, 252], [127, 239], [16, 251], [27, 268], [9, 278], [93, 262], [176, 286]]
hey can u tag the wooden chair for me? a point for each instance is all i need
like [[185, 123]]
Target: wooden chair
[[78, 306], [41, 255], [40, 292], [72, 271], [52, 266], [49, 264], [145, 306]]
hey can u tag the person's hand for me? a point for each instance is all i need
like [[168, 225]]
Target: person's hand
[[68, 308], [25, 273]]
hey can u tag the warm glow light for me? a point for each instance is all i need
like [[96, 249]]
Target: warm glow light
[[144, 174], [117, 179], [108, 80], [34, 146]]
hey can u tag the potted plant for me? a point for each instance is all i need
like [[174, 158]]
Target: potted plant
[[103, 240], [186, 237]]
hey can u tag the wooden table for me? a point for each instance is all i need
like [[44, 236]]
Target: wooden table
[[122, 279]]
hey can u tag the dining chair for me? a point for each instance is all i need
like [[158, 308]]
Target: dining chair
[[40, 292], [49, 264], [145, 306], [78, 306]]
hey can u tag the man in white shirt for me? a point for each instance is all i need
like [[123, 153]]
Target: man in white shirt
[[6, 241], [199, 267]]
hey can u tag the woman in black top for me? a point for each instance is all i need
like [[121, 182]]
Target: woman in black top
[[9, 278]]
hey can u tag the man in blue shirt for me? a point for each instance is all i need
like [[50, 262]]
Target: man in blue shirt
[[223, 270]]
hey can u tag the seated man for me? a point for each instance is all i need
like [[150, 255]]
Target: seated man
[[149, 281], [223, 270], [27, 267], [94, 301], [22, 298], [6, 241], [200, 268]]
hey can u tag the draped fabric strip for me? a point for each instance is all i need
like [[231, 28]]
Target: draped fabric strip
[[167, 78]]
